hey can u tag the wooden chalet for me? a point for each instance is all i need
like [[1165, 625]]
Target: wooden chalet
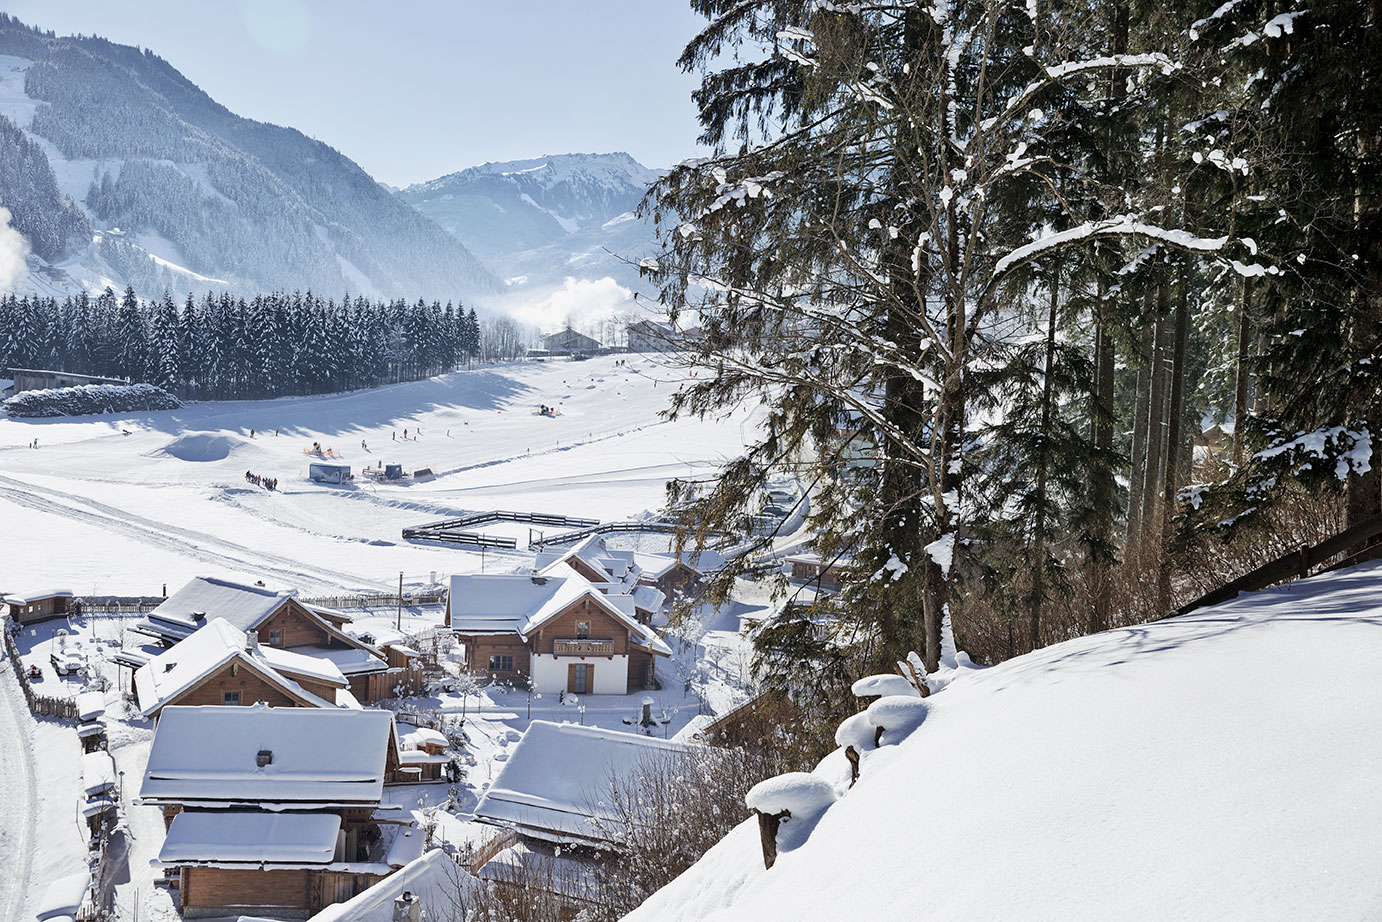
[[613, 572], [284, 623], [553, 629], [825, 574], [672, 574], [219, 664], [28, 607], [273, 811]]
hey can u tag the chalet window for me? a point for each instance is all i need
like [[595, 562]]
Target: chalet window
[[501, 663], [232, 698], [582, 630], [275, 638]]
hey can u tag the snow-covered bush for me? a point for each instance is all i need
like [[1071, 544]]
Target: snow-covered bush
[[90, 399], [791, 804]]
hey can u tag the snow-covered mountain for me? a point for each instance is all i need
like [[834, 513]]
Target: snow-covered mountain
[[96, 136], [538, 221]]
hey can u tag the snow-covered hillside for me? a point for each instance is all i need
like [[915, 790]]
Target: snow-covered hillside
[[137, 501], [1221, 765], [120, 170]]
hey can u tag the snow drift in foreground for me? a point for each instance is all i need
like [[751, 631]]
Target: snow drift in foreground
[[1221, 765]]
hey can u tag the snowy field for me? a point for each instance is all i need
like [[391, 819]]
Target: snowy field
[[123, 505], [1221, 765]]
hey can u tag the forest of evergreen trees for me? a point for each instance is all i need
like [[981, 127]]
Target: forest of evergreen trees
[[272, 345], [1025, 258]]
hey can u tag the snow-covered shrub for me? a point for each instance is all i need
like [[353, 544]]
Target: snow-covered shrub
[[875, 686], [90, 399]]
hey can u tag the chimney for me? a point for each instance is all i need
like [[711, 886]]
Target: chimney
[[198, 616], [406, 908], [538, 579], [264, 757], [251, 642]]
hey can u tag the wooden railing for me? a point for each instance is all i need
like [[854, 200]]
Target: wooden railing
[[1299, 563], [583, 646]]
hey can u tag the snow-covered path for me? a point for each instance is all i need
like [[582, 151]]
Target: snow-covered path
[[18, 795]]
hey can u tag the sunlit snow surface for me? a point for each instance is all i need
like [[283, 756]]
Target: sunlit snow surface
[[106, 512], [1222, 765]]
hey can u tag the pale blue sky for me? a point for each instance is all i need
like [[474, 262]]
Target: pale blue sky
[[413, 89]]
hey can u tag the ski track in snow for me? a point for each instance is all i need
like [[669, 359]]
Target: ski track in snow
[[18, 794], [199, 545]]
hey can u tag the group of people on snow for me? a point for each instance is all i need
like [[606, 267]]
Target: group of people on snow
[[268, 483]]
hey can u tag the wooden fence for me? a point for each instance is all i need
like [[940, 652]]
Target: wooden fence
[[1298, 564], [39, 705], [381, 600]]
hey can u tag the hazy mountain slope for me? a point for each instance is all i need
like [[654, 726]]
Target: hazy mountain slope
[[543, 219], [260, 206]]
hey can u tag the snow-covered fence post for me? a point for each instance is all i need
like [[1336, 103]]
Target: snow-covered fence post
[[767, 832]]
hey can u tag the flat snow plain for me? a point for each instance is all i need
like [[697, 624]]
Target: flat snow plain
[[121, 505]]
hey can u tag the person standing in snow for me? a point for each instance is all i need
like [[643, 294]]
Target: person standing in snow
[[251, 433]]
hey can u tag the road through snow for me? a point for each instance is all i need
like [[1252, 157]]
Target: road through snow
[[18, 795]]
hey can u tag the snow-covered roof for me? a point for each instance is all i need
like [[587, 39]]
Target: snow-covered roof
[[432, 879], [211, 647], [703, 561], [232, 837], [29, 598], [648, 598], [549, 787], [297, 662], [91, 705], [63, 896], [517, 603], [349, 661], [617, 566], [98, 772], [319, 756], [245, 607], [421, 736]]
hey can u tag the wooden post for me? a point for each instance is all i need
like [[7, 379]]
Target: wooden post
[[767, 832], [852, 755]]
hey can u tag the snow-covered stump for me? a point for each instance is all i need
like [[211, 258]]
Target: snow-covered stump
[[787, 808]]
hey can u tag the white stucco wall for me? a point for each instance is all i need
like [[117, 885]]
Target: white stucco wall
[[611, 675]]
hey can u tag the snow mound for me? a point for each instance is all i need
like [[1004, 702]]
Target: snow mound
[[201, 447], [799, 793], [884, 684]]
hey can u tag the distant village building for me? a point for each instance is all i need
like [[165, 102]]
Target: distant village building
[[34, 379], [659, 336], [272, 810], [569, 342], [542, 792], [28, 607], [678, 573], [808, 567], [613, 572], [554, 629], [281, 622], [219, 664]]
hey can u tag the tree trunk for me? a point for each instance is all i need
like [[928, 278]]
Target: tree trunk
[[1240, 384], [1142, 401], [1174, 411], [1156, 426], [1037, 593], [1103, 489]]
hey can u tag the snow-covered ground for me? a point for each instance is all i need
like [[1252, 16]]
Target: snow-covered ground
[[123, 505], [1221, 765]]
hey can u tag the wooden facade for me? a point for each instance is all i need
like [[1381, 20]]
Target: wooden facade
[[583, 633], [39, 608], [236, 684], [680, 578]]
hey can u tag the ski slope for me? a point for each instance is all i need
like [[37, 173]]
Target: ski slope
[[124, 504], [1221, 765]]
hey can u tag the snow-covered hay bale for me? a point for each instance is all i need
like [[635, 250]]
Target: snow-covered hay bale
[[201, 447], [90, 399]]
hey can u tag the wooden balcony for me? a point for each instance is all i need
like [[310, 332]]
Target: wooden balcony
[[586, 646]]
